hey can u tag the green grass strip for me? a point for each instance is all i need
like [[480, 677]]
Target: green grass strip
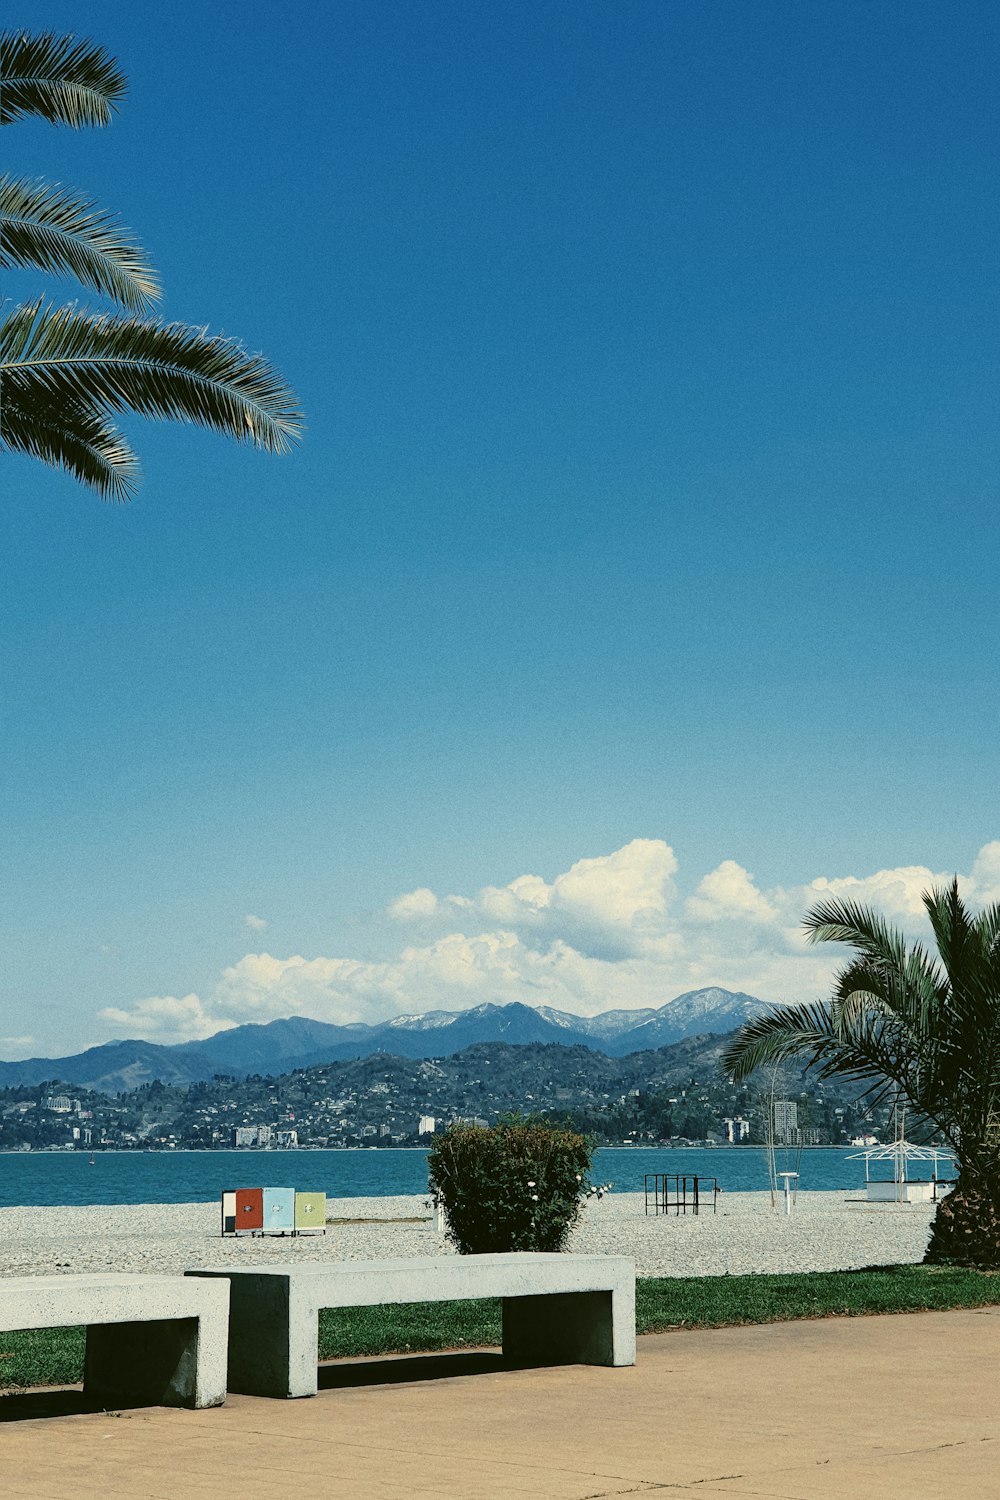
[[54, 1356], [410, 1327], [42, 1356], [725, 1301]]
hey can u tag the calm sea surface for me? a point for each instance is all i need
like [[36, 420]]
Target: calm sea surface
[[50, 1179]]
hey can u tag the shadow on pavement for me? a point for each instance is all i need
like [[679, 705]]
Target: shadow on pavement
[[28, 1406], [25, 1406], [394, 1371]]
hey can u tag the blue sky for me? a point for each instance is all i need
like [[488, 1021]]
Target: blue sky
[[648, 502]]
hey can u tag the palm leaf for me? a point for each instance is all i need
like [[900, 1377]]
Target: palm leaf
[[56, 230], [63, 79], [836, 921], [954, 930], [926, 1028], [831, 1041], [109, 363], [861, 1043], [76, 439]]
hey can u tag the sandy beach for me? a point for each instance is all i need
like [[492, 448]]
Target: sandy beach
[[827, 1231]]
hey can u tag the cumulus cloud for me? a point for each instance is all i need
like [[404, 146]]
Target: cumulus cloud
[[414, 905], [985, 881], [610, 932], [728, 892], [14, 1048], [164, 1018], [896, 893], [255, 924], [608, 906]]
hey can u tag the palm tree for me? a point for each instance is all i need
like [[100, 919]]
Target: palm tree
[[921, 1026], [65, 372]]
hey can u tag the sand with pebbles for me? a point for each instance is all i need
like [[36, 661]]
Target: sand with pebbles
[[827, 1231]]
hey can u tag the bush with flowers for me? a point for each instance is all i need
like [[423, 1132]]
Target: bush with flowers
[[516, 1185]]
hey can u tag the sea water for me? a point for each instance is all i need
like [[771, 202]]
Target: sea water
[[53, 1178]]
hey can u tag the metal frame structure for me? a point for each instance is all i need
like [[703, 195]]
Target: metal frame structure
[[679, 1192]]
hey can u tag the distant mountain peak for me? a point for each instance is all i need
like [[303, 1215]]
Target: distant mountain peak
[[299, 1042]]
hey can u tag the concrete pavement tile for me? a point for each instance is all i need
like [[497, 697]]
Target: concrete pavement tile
[[160, 1453], [866, 1408], [968, 1471]]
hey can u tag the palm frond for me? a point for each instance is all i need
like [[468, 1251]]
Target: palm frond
[[953, 926], [76, 439], [924, 1027], [860, 1042], [56, 230], [834, 921], [806, 1031], [911, 991], [988, 925], [63, 79], [112, 363]]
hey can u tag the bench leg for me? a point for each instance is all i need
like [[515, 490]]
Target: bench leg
[[273, 1339], [571, 1328], [163, 1363]]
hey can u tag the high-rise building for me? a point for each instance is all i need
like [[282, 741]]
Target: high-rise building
[[786, 1121], [426, 1126]]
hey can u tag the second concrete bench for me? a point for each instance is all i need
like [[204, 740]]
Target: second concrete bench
[[151, 1340], [557, 1309]]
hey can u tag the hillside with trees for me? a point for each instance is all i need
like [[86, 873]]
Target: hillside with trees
[[677, 1094]]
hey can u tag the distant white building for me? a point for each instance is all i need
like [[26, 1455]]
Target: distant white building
[[737, 1129], [426, 1126], [255, 1135], [786, 1121], [61, 1104], [287, 1140]]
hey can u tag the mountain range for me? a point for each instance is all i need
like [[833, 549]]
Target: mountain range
[[282, 1046]]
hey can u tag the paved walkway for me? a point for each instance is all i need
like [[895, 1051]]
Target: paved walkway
[[887, 1408]]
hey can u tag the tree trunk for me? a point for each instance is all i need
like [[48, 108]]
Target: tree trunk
[[966, 1227]]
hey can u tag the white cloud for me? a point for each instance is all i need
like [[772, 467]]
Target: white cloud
[[255, 924], [896, 893], [609, 906], [985, 882], [728, 892], [415, 904], [163, 1018], [607, 933], [15, 1048], [630, 889]]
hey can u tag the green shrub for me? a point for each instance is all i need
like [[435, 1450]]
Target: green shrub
[[515, 1186]]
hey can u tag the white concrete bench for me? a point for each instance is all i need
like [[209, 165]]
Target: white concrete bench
[[557, 1309], [151, 1340]]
